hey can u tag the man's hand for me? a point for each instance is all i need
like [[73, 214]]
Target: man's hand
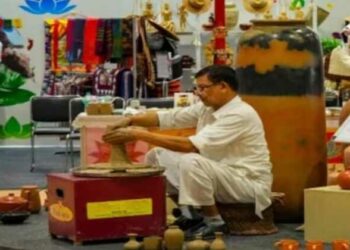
[[121, 135], [121, 123]]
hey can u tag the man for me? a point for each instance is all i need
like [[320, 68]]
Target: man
[[227, 160]]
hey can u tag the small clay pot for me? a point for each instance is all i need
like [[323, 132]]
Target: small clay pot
[[340, 245], [132, 244], [31, 193], [198, 243], [218, 243], [174, 238], [287, 244]]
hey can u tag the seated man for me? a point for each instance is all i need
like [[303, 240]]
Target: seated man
[[226, 161]]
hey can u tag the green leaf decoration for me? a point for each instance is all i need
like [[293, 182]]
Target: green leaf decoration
[[10, 79], [26, 131], [17, 96], [2, 132], [12, 127]]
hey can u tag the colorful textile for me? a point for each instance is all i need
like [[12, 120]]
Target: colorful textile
[[117, 49], [78, 39], [100, 37], [127, 37], [89, 47]]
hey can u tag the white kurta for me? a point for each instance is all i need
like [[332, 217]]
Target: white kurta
[[233, 164]]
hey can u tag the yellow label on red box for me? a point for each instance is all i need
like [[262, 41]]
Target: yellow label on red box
[[120, 208]]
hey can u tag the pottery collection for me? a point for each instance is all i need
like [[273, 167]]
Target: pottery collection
[[218, 243]]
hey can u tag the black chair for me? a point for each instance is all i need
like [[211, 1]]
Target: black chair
[[76, 106], [159, 102], [49, 117]]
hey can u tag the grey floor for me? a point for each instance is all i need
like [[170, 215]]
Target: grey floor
[[34, 234]]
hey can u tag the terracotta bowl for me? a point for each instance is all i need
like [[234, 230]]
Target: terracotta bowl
[[14, 217]]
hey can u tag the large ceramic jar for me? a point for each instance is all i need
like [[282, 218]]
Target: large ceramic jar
[[280, 73]]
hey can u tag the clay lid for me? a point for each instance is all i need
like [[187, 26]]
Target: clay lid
[[12, 199]]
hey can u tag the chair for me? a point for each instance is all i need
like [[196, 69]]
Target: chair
[[49, 117], [161, 102], [76, 106]]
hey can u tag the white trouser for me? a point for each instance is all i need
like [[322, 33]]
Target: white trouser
[[200, 181]]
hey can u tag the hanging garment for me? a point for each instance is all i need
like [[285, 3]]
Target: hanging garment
[[78, 40], [89, 46], [103, 83], [117, 48], [100, 34], [127, 37]]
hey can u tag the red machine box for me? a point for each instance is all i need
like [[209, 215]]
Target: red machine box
[[85, 209]]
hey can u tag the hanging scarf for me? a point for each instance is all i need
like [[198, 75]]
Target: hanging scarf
[[100, 37], [78, 39], [117, 49], [89, 48]]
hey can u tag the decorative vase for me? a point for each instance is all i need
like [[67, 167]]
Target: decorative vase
[[174, 238], [287, 244], [344, 179], [198, 244], [231, 15], [132, 244], [31, 193], [218, 243], [280, 73]]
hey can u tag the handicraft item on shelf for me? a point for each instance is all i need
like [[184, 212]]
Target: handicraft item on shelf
[[197, 6], [182, 13], [257, 6], [167, 15], [280, 73], [231, 15]]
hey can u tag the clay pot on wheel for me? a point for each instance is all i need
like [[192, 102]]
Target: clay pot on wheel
[[344, 179]]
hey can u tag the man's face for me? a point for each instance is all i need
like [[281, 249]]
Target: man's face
[[210, 94]]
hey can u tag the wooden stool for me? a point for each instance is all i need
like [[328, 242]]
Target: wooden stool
[[242, 220]]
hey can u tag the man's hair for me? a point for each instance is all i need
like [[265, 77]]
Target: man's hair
[[219, 73]]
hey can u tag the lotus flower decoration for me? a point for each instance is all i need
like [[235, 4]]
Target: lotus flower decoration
[[39, 7]]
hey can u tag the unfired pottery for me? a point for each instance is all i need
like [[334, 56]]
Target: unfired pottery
[[132, 244], [218, 243], [198, 244], [174, 238]]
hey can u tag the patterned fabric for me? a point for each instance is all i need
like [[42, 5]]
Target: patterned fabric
[[127, 37], [78, 39], [89, 49], [117, 48], [100, 37]]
